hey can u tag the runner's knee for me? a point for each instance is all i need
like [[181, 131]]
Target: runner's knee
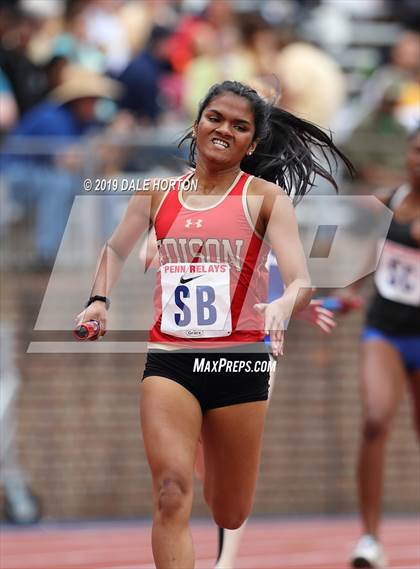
[[230, 515], [174, 495], [230, 520], [375, 428]]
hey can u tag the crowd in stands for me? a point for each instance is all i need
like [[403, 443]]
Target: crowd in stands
[[73, 68]]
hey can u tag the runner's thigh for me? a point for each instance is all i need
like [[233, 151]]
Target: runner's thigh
[[232, 438], [171, 421], [382, 381]]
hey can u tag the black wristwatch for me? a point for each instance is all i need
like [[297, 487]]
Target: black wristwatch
[[100, 298]]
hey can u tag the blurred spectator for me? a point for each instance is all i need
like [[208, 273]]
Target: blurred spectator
[[328, 24], [377, 146], [51, 14], [262, 42], [402, 73], [142, 77], [221, 57], [139, 18], [312, 83], [48, 174], [54, 70], [218, 14], [105, 30], [8, 107], [73, 42], [407, 12], [27, 80]]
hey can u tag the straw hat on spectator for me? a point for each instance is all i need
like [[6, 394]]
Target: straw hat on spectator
[[79, 83]]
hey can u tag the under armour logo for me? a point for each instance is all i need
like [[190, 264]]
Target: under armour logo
[[197, 223]]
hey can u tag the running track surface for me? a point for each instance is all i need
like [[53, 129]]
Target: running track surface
[[267, 544]]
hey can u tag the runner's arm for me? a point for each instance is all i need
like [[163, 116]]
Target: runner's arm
[[283, 236], [134, 224]]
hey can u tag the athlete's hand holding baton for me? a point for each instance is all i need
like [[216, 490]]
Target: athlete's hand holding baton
[[85, 327]]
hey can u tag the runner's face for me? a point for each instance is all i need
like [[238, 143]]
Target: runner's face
[[226, 130]]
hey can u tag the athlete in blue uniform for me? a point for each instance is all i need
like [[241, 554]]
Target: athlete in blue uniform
[[390, 353]]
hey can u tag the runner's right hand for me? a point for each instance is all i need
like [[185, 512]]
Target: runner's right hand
[[96, 311]]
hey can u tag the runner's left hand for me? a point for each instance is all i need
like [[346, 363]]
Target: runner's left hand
[[275, 317]]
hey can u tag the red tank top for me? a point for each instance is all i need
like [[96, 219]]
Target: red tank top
[[212, 271]]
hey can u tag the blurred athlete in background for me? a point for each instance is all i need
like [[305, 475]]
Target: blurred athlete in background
[[390, 352]]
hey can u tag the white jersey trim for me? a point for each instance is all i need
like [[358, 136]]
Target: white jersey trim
[[246, 209], [223, 196], [399, 196]]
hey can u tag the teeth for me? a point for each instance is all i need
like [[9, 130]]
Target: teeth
[[219, 142]]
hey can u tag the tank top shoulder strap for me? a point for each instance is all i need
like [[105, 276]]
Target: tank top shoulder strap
[[170, 201], [240, 184], [398, 196]]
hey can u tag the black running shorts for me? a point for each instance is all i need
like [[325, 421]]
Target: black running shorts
[[216, 378]]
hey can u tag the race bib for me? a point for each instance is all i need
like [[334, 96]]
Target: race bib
[[397, 277], [196, 300]]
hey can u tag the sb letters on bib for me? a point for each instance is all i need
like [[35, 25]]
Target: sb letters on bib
[[196, 300]]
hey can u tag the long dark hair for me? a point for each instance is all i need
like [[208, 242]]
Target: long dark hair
[[290, 151]]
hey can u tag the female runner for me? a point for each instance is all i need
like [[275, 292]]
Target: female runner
[[314, 314], [213, 246], [390, 351]]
